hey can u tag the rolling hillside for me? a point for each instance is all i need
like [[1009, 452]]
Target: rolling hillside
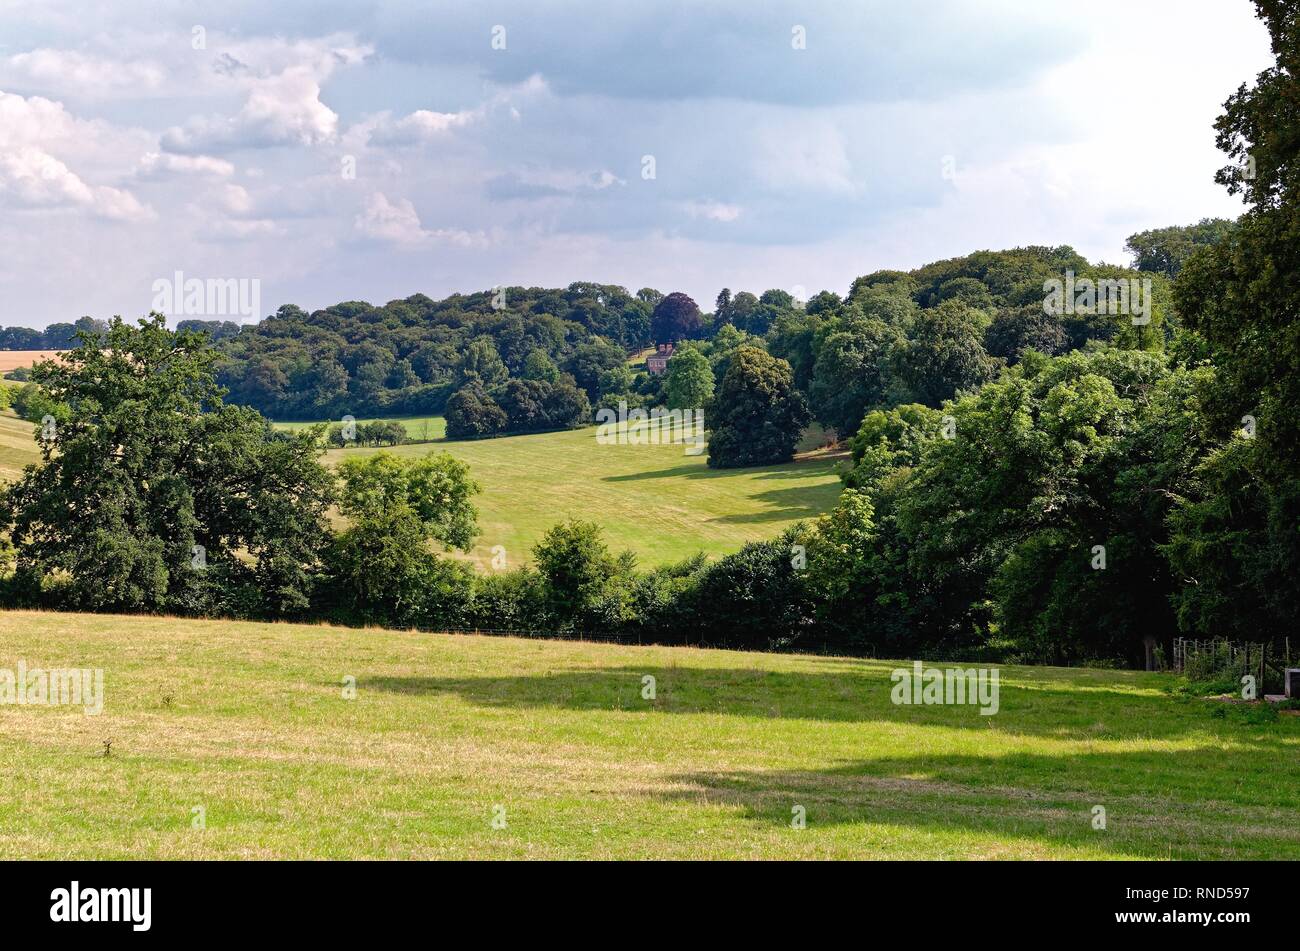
[[17, 446], [653, 500]]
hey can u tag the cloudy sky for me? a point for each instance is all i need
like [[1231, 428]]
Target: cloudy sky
[[359, 150]]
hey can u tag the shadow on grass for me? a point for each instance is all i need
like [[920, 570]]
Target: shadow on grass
[[788, 470], [1045, 705], [1206, 802], [805, 502]]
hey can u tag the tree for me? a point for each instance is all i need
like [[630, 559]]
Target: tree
[[856, 581], [1166, 250], [481, 362], [381, 566], [792, 338], [1016, 330], [690, 380], [756, 316], [753, 600], [1042, 509], [575, 565], [723, 347], [615, 384], [590, 360], [1235, 537], [535, 406], [970, 291], [152, 494], [538, 366], [889, 441], [823, 302], [33, 404], [757, 414], [471, 413], [851, 374], [436, 489], [675, 318], [775, 297], [721, 306], [945, 354]]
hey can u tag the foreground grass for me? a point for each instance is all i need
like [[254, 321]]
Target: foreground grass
[[248, 722]]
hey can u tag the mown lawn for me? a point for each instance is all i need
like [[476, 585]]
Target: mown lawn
[[652, 499], [422, 428], [248, 722]]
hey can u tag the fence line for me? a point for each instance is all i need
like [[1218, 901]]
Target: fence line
[[1247, 657]]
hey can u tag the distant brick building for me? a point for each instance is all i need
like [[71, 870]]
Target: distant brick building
[[657, 362]]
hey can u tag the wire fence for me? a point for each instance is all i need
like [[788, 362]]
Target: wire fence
[[1267, 661]]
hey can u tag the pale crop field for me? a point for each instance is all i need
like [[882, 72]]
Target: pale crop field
[[13, 359]]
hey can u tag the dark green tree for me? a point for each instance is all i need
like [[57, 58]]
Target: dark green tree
[[945, 353], [154, 495], [1166, 250], [757, 415], [676, 318], [471, 413], [1235, 537], [852, 373]]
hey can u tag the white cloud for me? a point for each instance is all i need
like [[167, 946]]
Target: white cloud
[[33, 176], [36, 179], [72, 72], [396, 222], [426, 125], [713, 210], [156, 165], [283, 105], [420, 126], [284, 109], [236, 200], [242, 229]]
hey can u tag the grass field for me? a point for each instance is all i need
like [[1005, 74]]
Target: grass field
[[417, 427], [653, 499], [248, 723], [17, 446]]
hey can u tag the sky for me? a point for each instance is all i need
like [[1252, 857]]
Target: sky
[[326, 152]]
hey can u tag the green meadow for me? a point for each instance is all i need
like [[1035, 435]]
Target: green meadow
[[654, 500], [17, 446], [237, 740], [651, 499]]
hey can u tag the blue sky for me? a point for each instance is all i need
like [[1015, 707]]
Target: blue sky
[[342, 151]]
